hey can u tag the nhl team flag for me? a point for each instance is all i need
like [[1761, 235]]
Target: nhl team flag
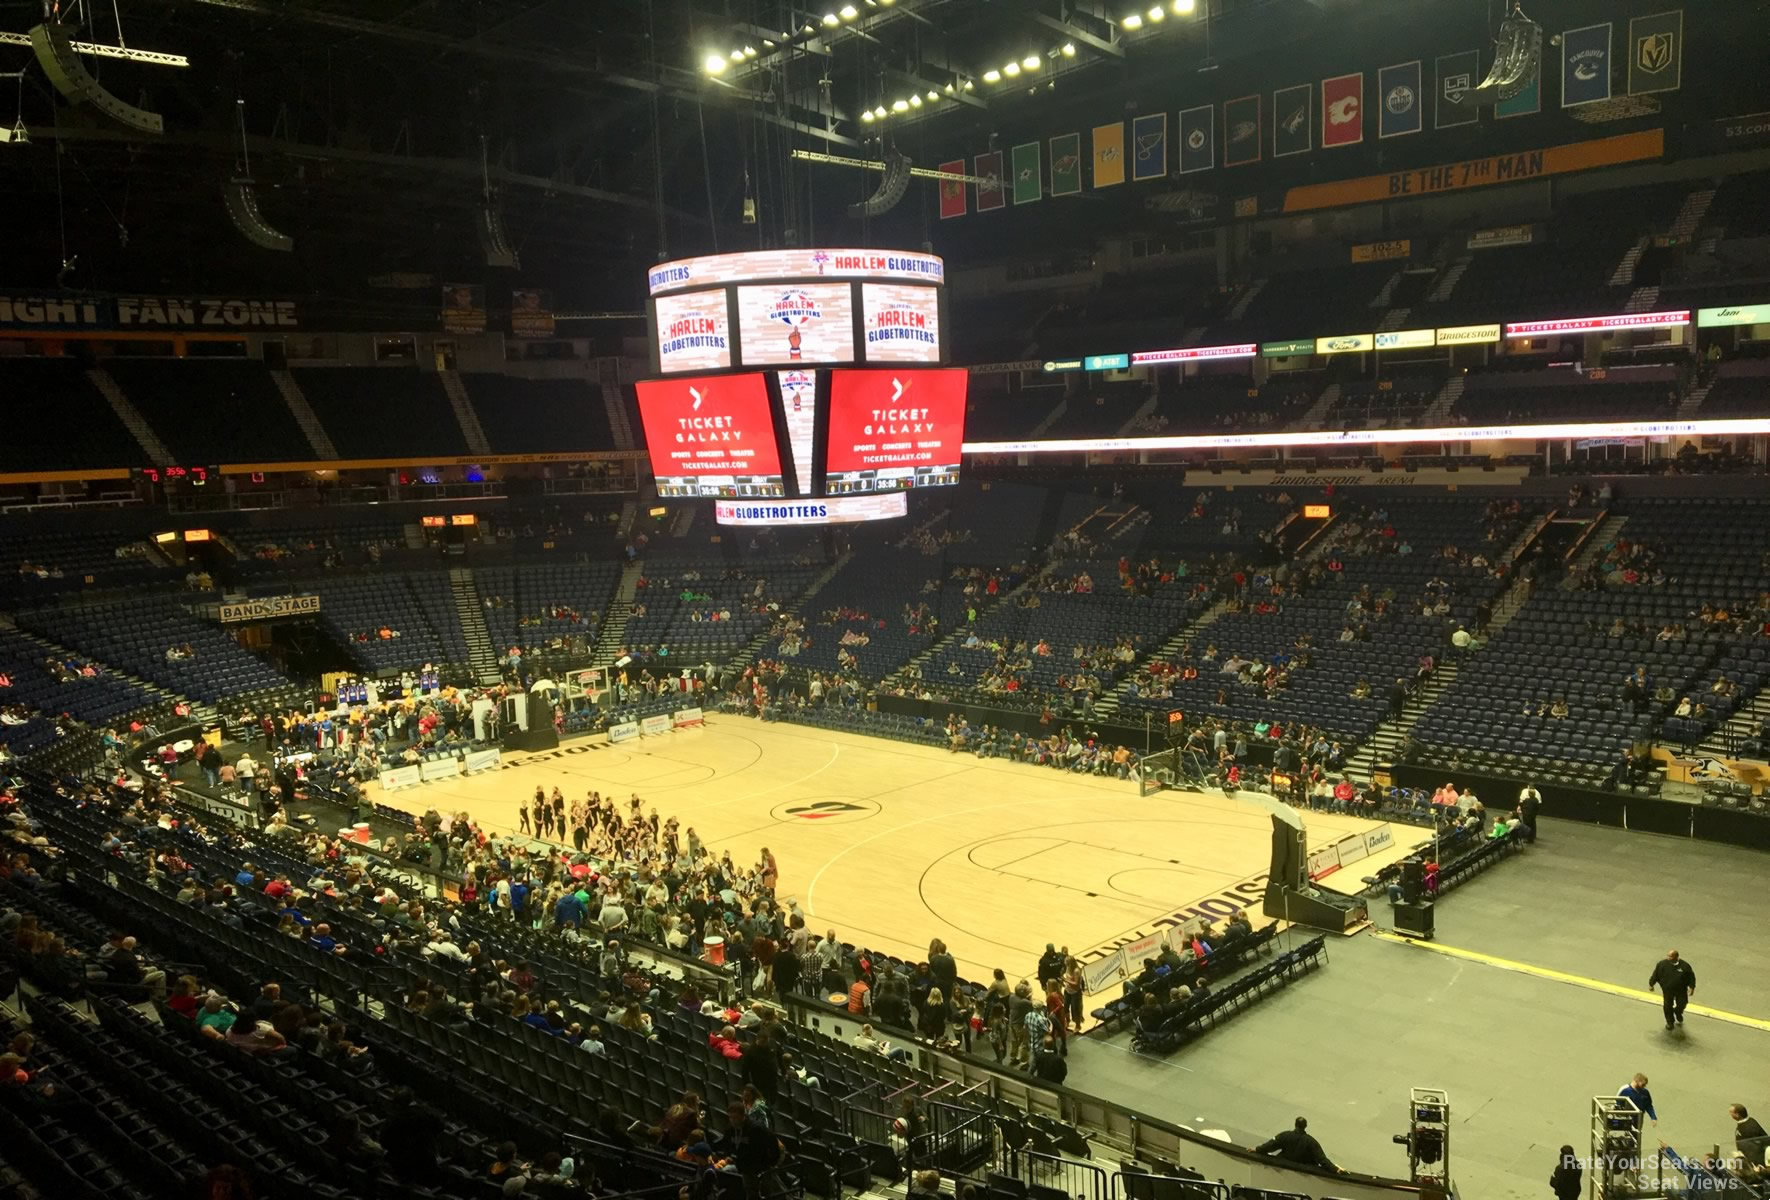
[[1198, 151], [952, 191], [1526, 102], [1293, 130], [1241, 131], [1109, 154], [1342, 110], [1585, 65], [1149, 146], [1656, 52], [1456, 78], [1066, 164], [988, 170], [1029, 176], [1398, 99]]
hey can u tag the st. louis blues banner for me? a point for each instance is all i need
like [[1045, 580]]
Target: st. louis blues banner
[[1293, 129], [1241, 131], [988, 169], [1198, 150], [1029, 175], [1398, 99], [1656, 52], [1585, 65], [1149, 146], [1066, 164], [1457, 76]]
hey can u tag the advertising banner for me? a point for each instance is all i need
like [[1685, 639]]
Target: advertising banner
[[1345, 343], [1198, 149], [901, 322], [1379, 839], [1652, 320], [1323, 862], [1398, 94], [625, 731], [1029, 174], [831, 510], [1406, 339], [1748, 131], [653, 725], [783, 325], [712, 428], [754, 265], [1457, 74], [952, 191], [214, 313], [1293, 126], [1066, 164], [1468, 335], [1242, 138], [687, 716], [988, 169], [1383, 251], [1149, 146], [439, 768], [531, 313], [895, 429], [1502, 235], [1734, 314], [1109, 154], [694, 332], [1342, 110], [1133, 953], [463, 308], [393, 779], [1104, 973], [1287, 349], [1351, 849], [269, 608], [483, 760], [1195, 353]]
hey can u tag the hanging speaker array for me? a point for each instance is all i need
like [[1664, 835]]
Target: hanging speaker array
[[61, 63]]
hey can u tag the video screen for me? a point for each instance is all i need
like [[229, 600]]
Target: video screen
[[902, 322], [711, 436], [894, 429], [784, 325], [694, 332]]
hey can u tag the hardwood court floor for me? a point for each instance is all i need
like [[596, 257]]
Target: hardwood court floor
[[893, 845]]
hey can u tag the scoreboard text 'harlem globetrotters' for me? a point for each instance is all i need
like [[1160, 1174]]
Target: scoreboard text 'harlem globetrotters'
[[801, 375]]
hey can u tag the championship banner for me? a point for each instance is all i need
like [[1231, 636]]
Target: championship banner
[[1109, 154], [1066, 164], [1398, 95], [1241, 131], [483, 760], [623, 732], [1585, 65], [269, 608], [1149, 145], [1525, 103], [439, 768], [1293, 130], [1480, 172], [31, 311], [1656, 53], [1028, 173], [463, 308], [952, 191], [1456, 75], [1198, 150], [654, 725], [1342, 110], [531, 313], [988, 169], [394, 779], [687, 716]]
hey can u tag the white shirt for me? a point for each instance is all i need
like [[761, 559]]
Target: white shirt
[[1528, 793]]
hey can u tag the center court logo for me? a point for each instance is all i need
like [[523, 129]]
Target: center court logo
[[825, 812]]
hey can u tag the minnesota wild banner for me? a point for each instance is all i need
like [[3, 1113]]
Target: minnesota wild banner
[[1029, 176], [1066, 164], [1198, 151], [1109, 154], [1149, 143], [988, 170], [952, 191]]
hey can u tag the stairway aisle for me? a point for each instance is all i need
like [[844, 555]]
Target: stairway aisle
[[1385, 744], [133, 421], [302, 411], [1188, 633], [482, 656], [612, 636]]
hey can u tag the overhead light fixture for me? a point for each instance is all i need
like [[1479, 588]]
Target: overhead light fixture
[[849, 12], [831, 19], [1131, 21], [879, 112], [715, 63], [934, 95], [866, 115], [949, 89], [808, 27], [768, 43], [1032, 62], [969, 85], [749, 52], [900, 106], [1011, 70], [1069, 50], [1157, 13], [915, 102], [1182, 7], [990, 76], [737, 56]]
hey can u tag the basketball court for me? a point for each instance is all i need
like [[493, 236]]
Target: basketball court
[[892, 845]]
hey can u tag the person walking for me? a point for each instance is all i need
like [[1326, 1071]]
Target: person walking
[[1567, 1179], [1676, 982], [1636, 1093], [1529, 801]]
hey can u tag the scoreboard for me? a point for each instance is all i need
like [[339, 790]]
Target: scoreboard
[[811, 377]]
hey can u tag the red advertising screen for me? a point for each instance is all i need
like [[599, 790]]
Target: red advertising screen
[[894, 429], [712, 436]]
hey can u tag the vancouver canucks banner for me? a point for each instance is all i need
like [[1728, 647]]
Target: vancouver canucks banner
[[1149, 146], [1342, 110], [1241, 131], [1029, 176], [1398, 96], [1109, 154], [989, 174], [1198, 151], [1066, 164], [1585, 65], [1526, 102], [1656, 52], [1456, 77], [952, 191], [1293, 131]]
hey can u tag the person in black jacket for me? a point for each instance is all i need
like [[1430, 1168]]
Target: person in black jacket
[[410, 1132], [1048, 1064], [1050, 964], [1566, 1180], [1295, 1145], [1676, 982]]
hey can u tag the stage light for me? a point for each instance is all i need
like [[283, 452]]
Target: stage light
[[1157, 13], [1131, 21], [1011, 70], [849, 12], [866, 115], [1069, 49], [900, 106], [830, 19], [992, 76], [1182, 7], [1032, 62]]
